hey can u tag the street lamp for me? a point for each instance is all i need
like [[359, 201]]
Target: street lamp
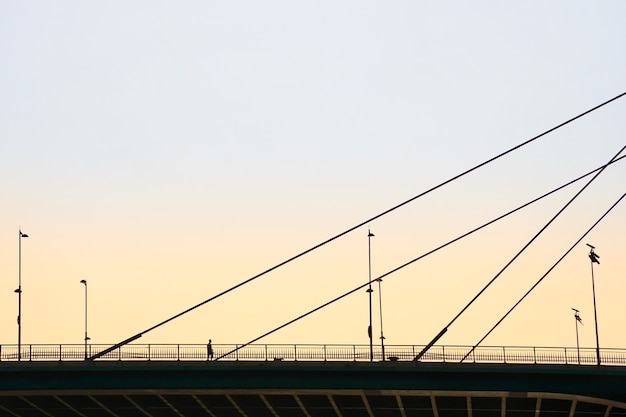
[[380, 303], [83, 281], [578, 320], [369, 290], [594, 259], [19, 295]]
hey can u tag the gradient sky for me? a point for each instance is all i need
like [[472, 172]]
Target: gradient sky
[[166, 151]]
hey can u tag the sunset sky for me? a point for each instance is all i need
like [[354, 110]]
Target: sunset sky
[[167, 151]]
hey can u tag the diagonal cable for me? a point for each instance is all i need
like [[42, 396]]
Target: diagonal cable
[[138, 335], [416, 259], [544, 275], [445, 329]]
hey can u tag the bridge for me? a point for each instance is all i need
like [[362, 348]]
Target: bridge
[[311, 381], [259, 380]]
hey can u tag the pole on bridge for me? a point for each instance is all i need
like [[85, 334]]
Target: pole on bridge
[[84, 281], [19, 295], [577, 319], [369, 289], [380, 308], [594, 259]]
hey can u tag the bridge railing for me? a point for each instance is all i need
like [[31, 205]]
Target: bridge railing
[[316, 352]]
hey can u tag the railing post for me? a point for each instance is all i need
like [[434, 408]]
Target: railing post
[[324, 353], [354, 353], [149, 352], [266, 355], [295, 352], [535, 355], [178, 352], [503, 354]]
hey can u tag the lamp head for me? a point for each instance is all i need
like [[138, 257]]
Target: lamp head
[[82, 281]]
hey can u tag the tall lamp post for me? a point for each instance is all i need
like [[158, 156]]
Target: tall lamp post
[[83, 281], [19, 295], [370, 235], [578, 320], [594, 259]]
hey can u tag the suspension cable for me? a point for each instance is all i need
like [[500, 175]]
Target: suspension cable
[[415, 260], [445, 329], [544, 275], [138, 335]]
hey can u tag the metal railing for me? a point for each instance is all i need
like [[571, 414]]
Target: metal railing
[[316, 352]]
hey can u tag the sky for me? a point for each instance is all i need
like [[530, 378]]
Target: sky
[[168, 151]]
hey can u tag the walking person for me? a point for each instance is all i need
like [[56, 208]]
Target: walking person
[[209, 351]]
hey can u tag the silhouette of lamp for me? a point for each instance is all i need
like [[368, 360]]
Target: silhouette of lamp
[[83, 281], [578, 320], [594, 260], [369, 290], [19, 295], [380, 306]]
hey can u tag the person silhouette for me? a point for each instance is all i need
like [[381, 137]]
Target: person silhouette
[[209, 351]]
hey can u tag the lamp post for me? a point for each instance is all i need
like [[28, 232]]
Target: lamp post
[[594, 259], [380, 303], [19, 295], [83, 281], [369, 290], [577, 319]]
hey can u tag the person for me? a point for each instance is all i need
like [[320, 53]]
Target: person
[[209, 351]]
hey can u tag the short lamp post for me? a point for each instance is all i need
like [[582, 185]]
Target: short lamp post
[[19, 295], [369, 290], [380, 308], [83, 281], [578, 320]]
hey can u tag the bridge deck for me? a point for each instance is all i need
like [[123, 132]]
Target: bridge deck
[[308, 389]]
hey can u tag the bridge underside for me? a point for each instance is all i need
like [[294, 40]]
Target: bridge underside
[[300, 389], [303, 403]]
